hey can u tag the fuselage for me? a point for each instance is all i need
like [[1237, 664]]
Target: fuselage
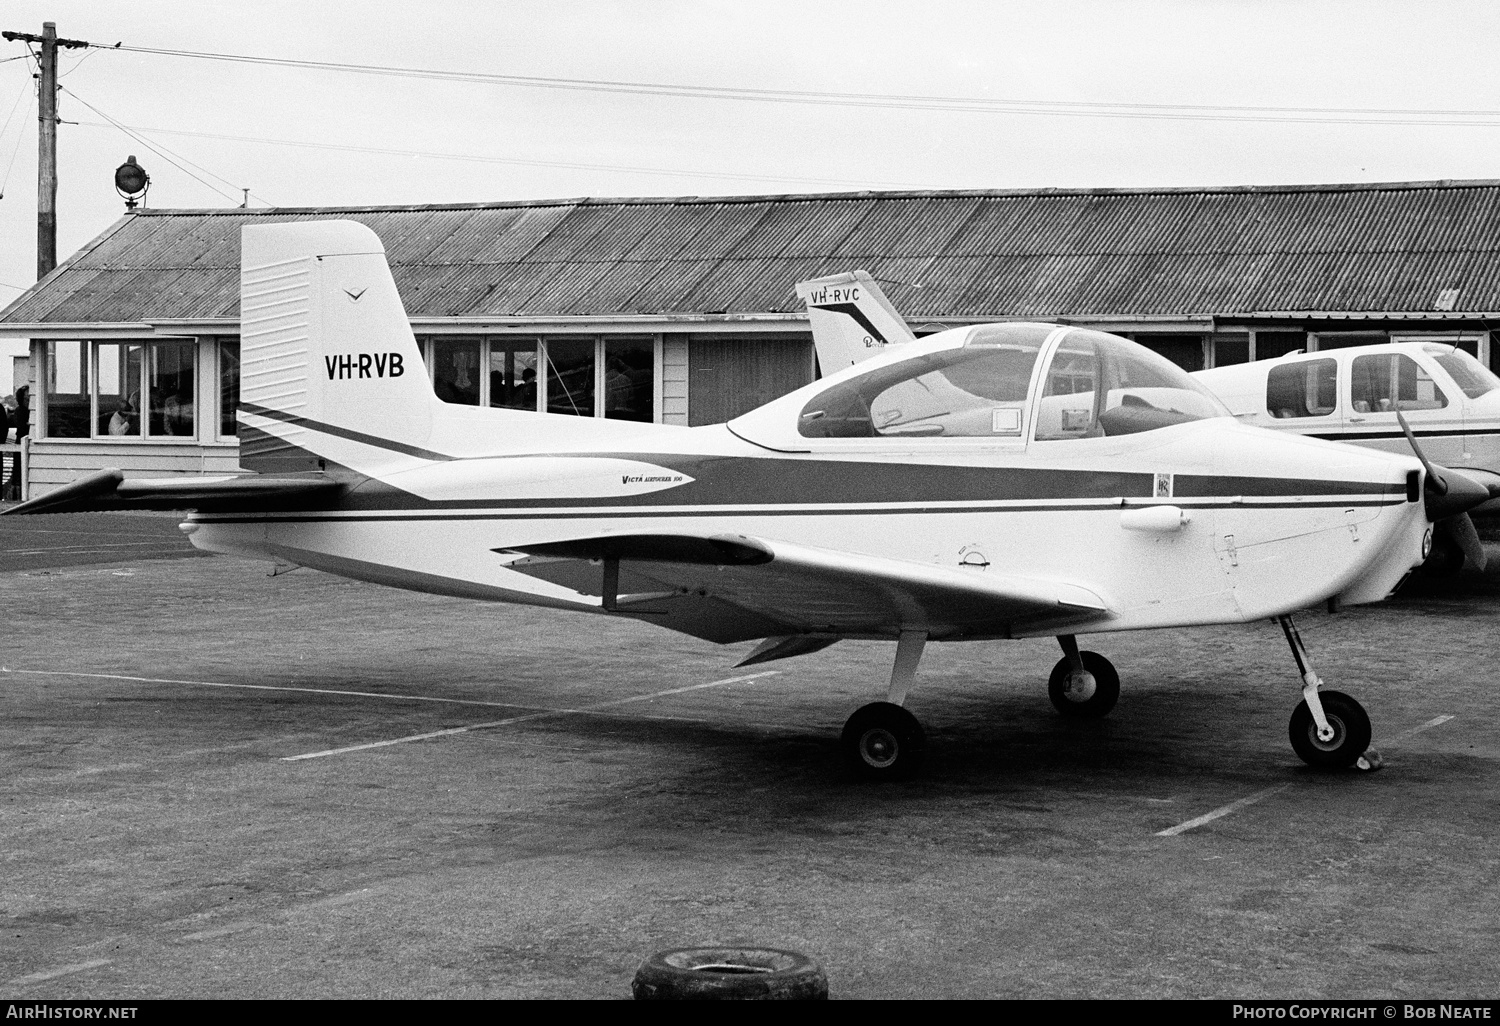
[[1248, 538]]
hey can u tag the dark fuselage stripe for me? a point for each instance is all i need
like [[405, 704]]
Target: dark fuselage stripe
[[401, 516]]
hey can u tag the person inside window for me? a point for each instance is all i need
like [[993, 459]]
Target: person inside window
[[122, 421]]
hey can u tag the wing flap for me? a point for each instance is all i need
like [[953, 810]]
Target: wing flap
[[759, 587]]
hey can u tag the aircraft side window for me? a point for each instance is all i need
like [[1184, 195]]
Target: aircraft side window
[[1304, 389], [1072, 395], [1100, 384], [973, 392], [1392, 381]]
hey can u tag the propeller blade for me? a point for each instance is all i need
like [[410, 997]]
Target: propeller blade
[[1435, 481], [1448, 492], [1461, 529]]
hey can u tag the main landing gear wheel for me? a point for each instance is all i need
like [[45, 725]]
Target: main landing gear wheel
[[1351, 732], [883, 741], [1087, 696]]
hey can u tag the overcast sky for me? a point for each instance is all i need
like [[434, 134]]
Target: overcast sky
[[1302, 64]]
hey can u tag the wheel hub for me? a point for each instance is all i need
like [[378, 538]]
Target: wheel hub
[[1335, 736], [1081, 686], [879, 747]]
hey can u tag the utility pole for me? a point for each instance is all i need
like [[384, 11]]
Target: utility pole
[[46, 164]]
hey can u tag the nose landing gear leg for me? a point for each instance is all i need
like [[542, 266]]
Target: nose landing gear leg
[[1328, 729]]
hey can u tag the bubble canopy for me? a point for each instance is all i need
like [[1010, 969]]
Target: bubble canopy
[[983, 382]]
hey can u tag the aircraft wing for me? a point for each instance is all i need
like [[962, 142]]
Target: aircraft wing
[[727, 588], [110, 490]]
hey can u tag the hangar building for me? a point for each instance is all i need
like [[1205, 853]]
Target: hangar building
[[683, 311]]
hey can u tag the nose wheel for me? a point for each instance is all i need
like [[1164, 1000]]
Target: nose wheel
[[1350, 727], [1328, 730]]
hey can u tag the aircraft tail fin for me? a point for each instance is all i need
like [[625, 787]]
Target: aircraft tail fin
[[330, 371], [851, 319]]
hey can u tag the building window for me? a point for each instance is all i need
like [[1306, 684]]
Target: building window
[[584, 376], [68, 391], [570, 376], [170, 388], [1186, 351], [1349, 339], [121, 389], [229, 388], [1271, 344], [455, 370], [630, 379], [1231, 349], [513, 374]]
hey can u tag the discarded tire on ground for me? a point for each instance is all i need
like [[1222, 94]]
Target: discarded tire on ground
[[729, 974]]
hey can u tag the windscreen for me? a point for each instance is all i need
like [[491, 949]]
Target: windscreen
[[1467, 373]]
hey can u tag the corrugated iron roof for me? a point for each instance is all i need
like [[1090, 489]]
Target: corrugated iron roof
[[1048, 253]]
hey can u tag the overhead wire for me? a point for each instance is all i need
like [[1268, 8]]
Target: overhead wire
[[26, 91], [162, 151], [971, 104], [480, 158]]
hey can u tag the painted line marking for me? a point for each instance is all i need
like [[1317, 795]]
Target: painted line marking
[[67, 970], [223, 931], [1235, 806], [1221, 811], [73, 550], [1436, 721], [271, 687], [246, 925], [449, 732]]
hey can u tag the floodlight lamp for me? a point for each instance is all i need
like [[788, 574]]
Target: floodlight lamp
[[131, 182]]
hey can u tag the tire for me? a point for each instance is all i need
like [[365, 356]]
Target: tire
[[1084, 707], [1351, 732], [729, 974], [1446, 558], [883, 741]]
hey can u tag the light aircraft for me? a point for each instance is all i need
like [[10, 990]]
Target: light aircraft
[[990, 482], [1384, 397]]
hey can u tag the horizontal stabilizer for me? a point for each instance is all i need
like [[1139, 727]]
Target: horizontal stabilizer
[[109, 490]]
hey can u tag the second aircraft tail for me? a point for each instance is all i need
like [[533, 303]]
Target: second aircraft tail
[[851, 319]]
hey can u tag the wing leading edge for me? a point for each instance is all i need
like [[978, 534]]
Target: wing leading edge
[[727, 588]]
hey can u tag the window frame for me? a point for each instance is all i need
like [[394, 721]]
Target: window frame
[[489, 343], [202, 406]]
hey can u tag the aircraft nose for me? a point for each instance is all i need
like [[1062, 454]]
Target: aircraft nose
[[1449, 493]]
